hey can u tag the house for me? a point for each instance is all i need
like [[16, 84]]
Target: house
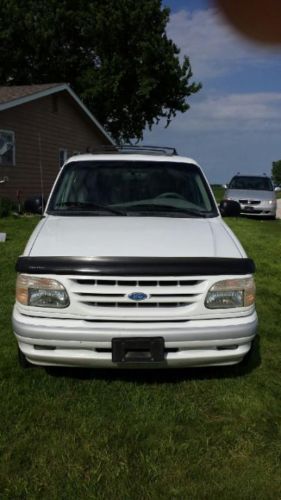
[[40, 127]]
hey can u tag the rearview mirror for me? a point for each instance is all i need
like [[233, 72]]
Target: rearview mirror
[[229, 208]]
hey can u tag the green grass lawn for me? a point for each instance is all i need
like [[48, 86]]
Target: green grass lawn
[[184, 434]]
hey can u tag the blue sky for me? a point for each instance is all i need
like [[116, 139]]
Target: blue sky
[[234, 122]]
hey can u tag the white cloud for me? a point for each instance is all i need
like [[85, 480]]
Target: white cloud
[[257, 111], [214, 48], [225, 131]]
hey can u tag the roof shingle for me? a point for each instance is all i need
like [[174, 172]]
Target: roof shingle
[[13, 92]]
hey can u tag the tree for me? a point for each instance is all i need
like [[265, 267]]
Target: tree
[[276, 172], [115, 54]]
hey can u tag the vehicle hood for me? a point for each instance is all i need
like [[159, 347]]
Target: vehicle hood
[[250, 194], [134, 237]]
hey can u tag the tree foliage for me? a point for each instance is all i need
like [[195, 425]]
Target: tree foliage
[[276, 172], [115, 54]]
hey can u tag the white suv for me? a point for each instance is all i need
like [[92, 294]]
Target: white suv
[[132, 266]]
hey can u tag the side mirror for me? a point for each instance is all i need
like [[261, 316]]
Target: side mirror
[[35, 205], [229, 208], [225, 186], [277, 189]]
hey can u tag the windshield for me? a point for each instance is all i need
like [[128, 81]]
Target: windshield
[[251, 182], [132, 188]]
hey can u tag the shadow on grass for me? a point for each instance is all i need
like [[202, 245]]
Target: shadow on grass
[[160, 376], [258, 217]]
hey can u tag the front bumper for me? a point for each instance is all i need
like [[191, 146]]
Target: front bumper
[[79, 343], [261, 210]]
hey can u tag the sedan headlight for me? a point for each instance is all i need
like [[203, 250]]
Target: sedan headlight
[[268, 202], [231, 293], [40, 292]]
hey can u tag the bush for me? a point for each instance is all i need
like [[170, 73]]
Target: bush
[[35, 204], [276, 172], [6, 206]]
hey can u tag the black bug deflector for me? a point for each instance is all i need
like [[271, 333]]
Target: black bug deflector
[[136, 266]]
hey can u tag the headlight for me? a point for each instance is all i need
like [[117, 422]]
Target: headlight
[[40, 292], [231, 293]]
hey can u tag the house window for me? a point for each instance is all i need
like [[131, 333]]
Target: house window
[[62, 156], [7, 148]]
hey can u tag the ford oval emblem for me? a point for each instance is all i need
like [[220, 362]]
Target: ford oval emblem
[[138, 296]]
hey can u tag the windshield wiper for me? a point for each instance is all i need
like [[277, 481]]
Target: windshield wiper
[[89, 206], [166, 208]]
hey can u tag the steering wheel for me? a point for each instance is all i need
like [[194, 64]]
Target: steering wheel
[[171, 195]]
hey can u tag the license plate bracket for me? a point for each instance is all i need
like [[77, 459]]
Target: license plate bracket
[[138, 350]]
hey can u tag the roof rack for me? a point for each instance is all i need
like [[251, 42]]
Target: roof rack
[[130, 149]]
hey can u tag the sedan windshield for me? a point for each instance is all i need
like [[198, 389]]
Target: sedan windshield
[[257, 183], [134, 188]]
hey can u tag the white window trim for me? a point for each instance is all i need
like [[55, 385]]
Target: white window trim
[[13, 164]]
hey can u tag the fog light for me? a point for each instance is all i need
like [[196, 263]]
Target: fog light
[[44, 348], [227, 347]]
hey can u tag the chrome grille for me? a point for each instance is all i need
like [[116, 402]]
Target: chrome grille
[[140, 282], [109, 296], [249, 202], [136, 304]]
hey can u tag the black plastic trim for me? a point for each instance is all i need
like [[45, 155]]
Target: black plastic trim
[[136, 266]]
